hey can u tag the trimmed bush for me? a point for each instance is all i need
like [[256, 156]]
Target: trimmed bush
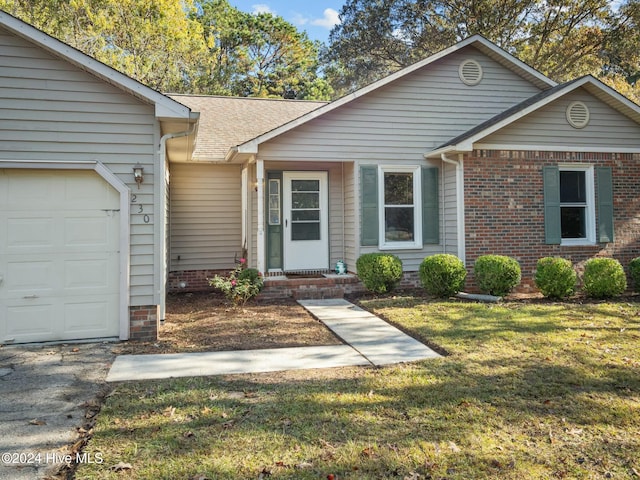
[[604, 278], [496, 274], [442, 275], [634, 274], [555, 277], [241, 285], [379, 272]]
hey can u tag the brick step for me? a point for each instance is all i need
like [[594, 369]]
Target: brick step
[[330, 286]]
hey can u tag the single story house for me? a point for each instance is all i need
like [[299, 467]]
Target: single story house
[[112, 193], [467, 152]]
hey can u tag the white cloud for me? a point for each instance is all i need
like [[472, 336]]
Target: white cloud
[[330, 19], [299, 19], [262, 8]]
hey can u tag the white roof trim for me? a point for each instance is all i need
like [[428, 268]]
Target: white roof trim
[[553, 148], [165, 106], [467, 144], [475, 39]]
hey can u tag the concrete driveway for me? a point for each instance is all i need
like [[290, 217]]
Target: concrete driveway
[[46, 394]]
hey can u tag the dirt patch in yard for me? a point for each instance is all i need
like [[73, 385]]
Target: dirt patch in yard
[[206, 322]]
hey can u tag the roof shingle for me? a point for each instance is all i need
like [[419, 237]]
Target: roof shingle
[[229, 121]]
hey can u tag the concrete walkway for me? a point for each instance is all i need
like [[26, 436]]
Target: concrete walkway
[[373, 338], [370, 341]]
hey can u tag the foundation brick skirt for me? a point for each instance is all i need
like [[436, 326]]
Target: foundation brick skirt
[[143, 322]]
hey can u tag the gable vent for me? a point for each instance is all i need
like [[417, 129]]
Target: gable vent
[[578, 115], [470, 72]]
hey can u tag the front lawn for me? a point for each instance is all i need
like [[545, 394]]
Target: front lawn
[[528, 391]]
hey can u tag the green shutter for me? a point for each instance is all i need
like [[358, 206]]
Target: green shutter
[[369, 205], [430, 210], [605, 204], [552, 230]]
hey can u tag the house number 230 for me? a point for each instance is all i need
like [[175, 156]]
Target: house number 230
[[140, 208]]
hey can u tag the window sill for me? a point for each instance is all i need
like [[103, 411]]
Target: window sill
[[399, 246], [577, 243]]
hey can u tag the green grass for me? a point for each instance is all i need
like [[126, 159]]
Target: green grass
[[528, 391]]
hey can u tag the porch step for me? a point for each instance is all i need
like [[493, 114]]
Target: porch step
[[329, 286]]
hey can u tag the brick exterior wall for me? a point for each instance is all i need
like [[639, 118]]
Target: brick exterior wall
[[193, 280], [143, 322], [334, 286], [504, 208]]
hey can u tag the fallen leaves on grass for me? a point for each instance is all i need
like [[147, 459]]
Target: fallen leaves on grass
[[121, 466]]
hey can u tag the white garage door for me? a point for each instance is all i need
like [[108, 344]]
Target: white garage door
[[59, 235]]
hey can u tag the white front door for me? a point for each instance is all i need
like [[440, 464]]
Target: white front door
[[59, 256], [306, 221]]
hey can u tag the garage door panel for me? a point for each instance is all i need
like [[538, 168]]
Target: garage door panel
[[27, 277], [88, 319], [89, 232], [86, 193], [59, 256], [26, 233], [40, 190], [88, 274], [30, 322]]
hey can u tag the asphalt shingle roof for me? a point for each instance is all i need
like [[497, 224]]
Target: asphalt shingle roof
[[229, 121]]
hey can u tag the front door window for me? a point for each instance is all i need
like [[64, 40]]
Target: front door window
[[305, 220], [305, 209]]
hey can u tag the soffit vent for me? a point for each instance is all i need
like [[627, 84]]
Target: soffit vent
[[470, 72], [578, 115]]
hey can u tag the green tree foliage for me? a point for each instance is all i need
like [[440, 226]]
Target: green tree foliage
[[258, 55], [561, 38], [153, 41], [187, 46], [622, 51]]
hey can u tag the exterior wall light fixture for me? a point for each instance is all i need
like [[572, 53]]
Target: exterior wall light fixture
[[137, 174]]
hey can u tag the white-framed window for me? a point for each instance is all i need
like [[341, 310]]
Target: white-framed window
[[274, 201], [577, 205], [400, 218]]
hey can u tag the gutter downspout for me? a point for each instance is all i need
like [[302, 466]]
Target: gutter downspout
[[459, 164], [163, 181]]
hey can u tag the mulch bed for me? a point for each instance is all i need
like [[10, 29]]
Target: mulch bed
[[206, 322]]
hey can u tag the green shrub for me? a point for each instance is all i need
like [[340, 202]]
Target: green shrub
[[241, 285], [555, 277], [379, 272], [634, 274], [496, 274], [442, 275], [603, 278]]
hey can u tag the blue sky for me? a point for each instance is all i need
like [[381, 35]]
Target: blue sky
[[316, 17]]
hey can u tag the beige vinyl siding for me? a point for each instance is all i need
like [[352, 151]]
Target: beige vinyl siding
[[406, 118], [51, 110], [607, 127], [205, 216]]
